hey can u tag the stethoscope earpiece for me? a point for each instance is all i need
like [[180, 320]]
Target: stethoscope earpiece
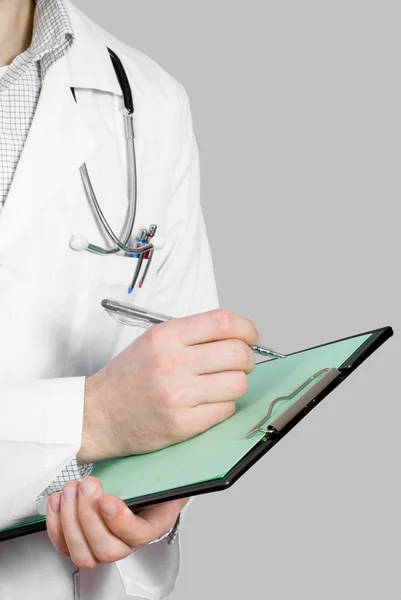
[[157, 242]]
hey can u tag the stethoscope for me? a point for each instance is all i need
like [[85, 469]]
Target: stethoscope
[[146, 241]]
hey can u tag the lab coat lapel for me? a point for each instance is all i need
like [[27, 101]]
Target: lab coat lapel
[[60, 139], [58, 142]]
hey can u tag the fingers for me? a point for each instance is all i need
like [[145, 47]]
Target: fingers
[[205, 416], [78, 546], [92, 528], [219, 387], [53, 524], [78, 529], [213, 326], [64, 529], [226, 355], [138, 530], [104, 544], [112, 530]]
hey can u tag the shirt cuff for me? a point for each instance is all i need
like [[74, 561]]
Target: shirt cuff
[[72, 471]]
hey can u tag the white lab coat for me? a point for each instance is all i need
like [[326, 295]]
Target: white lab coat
[[53, 329]]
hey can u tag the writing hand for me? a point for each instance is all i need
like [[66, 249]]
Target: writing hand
[[175, 381]]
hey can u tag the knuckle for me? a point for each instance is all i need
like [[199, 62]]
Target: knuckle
[[106, 555], [61, 549], [223, 321], [164, 364], [254, 333], [251, 363], [240, 384], [230, 409], [155, 340], [160, 365], [174, 428], [141, 542], [171, 398], [168, 398], [86, 562], [225, 411], [240, 353], [153, 336], [142, 538]]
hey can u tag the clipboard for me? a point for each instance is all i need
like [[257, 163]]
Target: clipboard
[[281, 392]]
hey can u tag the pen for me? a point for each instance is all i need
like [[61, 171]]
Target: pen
[[142, 239], [148, 255], [137, 242], [136, 315], [140, 284]]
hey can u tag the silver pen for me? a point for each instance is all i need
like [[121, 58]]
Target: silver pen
[[129, 314], [141, 237]]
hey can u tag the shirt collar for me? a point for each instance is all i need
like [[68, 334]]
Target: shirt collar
[[52, 28], [59, 25]]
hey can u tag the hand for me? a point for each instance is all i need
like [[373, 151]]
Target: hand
[[175, 381], [81, 531]]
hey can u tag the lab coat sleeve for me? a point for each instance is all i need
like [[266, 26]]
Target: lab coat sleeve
[[40, 432], [185, 285]]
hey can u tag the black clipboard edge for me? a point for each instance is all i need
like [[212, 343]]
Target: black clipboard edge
[[359, 356], [378, 337]]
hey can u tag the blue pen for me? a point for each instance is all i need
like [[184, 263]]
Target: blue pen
[[149, 254], [138, 241]]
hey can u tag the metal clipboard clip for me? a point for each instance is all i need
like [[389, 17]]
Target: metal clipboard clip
[[323, 378]]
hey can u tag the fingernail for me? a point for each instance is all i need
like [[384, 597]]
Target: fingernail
[[110, 508], [55, 503], [70, 492], [88, 487]]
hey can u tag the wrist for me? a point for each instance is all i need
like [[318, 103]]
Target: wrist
[[94, 439]]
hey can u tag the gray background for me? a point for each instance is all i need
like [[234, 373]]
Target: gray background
[[296, 107]]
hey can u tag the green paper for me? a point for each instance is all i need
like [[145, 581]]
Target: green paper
[[212, 454]]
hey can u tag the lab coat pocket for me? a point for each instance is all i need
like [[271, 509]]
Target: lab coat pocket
[[152, 571], [95, 334]]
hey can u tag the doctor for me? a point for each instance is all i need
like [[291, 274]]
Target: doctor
[[75, 385]]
